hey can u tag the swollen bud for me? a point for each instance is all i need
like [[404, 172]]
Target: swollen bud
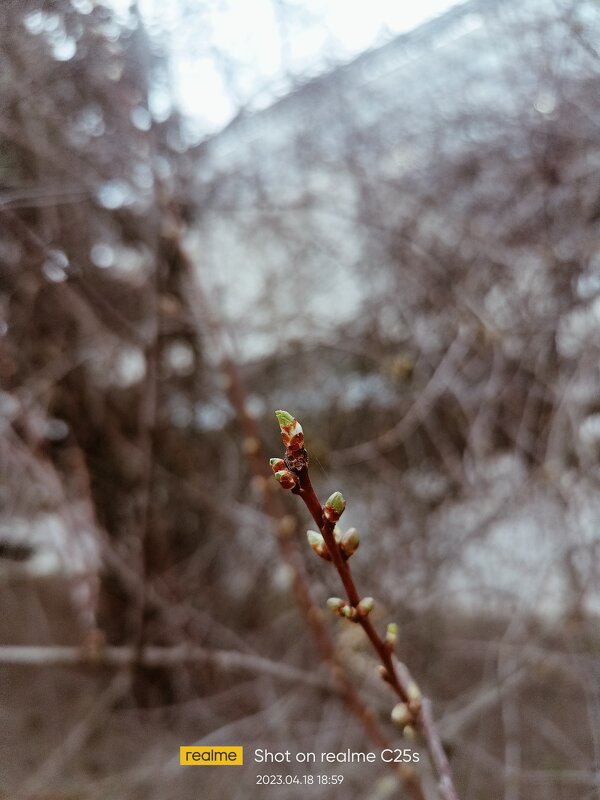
[[366, 605], [277, 464], [414, 696], [283, 418], [334, 507], [286, 478], [401, 715], [291, 431], [342, 608], [350, 541], [391, 635], [318, 545]]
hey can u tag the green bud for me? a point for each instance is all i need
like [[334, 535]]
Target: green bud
[[314, 539], [337, 534], [366, 605], [348, 611], [277, 464], [286, 478], [291, 431], [350, 541], [391, 635], [334, 507], [283, 418], [336, 502]]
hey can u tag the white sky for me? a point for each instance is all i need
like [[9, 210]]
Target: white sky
[[227, 53]]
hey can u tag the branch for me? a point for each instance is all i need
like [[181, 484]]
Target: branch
[[123, 657], [284, 525], [413, 712]]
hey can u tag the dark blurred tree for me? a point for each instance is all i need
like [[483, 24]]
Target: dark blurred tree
[[97, 343]]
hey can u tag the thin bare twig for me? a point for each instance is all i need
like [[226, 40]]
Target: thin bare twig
[[292, 473], [151, 656]]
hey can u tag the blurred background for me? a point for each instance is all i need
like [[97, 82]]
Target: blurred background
[[382, 219]]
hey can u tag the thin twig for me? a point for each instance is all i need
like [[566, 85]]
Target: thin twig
[[151, 656], [292, 472]]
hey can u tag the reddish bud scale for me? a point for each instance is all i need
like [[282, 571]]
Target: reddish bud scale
[[292, 441], [286, 478], [330, 515], [322, 552]]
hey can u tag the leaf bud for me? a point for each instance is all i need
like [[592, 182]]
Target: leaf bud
[[334, 507], [414, 696], [401, 715], [391, 634], [318, 545], [277, 464], [286, 478], [350, 541], [365, 606], [291, 431], [284, 418]]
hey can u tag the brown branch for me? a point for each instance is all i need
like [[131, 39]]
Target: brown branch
[[416, 710]]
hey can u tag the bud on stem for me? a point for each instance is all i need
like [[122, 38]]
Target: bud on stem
[[365, 606], [350, 542], [334, 507], [277, 464], [342, 608], [286, 478], [291, 431], [391, 635], [401, 715], [414, 697], [318, 545]]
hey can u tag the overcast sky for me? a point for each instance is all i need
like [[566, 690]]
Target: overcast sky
[[227, 53]]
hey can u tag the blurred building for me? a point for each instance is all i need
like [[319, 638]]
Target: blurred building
[[436, 193], [301, 186]]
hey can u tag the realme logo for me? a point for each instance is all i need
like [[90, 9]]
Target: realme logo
[[211, 756]]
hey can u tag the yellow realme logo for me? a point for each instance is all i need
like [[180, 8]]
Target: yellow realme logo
[[211, 756]]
